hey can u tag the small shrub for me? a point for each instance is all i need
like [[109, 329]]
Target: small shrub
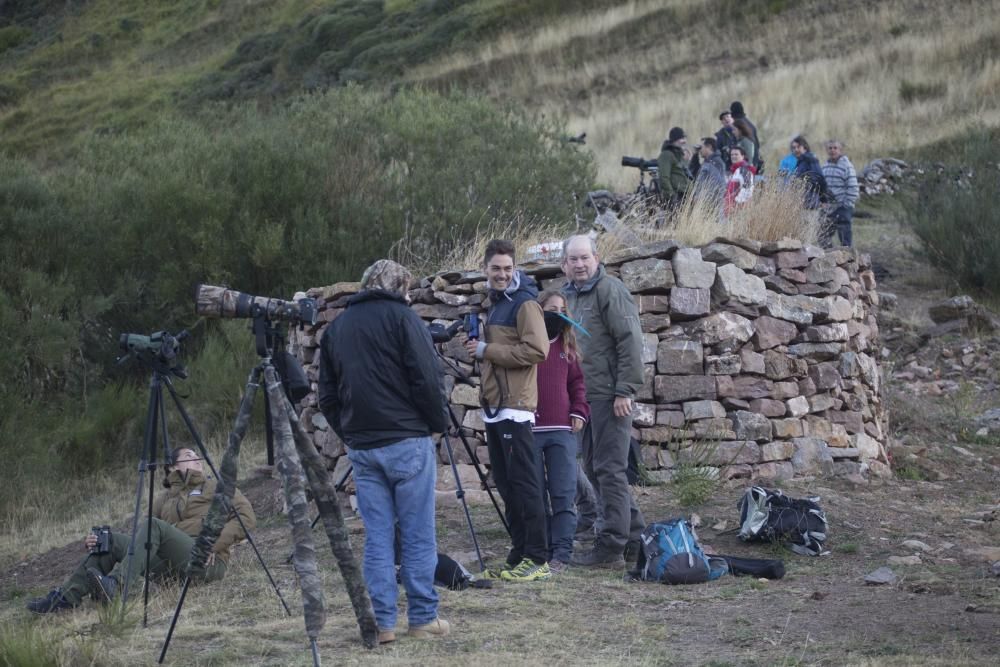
[[914, 91], [12, 36], [695, 477], [957, 219], [29, 644], [897, 29]]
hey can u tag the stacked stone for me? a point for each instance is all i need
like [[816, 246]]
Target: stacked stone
[[759, 358]]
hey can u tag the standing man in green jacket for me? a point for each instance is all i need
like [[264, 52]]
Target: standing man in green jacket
[[612, 367], [673, 172]]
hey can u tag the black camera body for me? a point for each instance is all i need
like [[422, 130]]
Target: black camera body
[[103, 534], [639, 163]]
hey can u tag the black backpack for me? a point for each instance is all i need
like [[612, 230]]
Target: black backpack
[[768, 515]]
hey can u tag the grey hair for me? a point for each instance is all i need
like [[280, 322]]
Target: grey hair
[[836, 142], [387, 275], [567, 242]]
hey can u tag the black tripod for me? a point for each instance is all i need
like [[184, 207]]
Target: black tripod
[[160, 356], [298, 462]]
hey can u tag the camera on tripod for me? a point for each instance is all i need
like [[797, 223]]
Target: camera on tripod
[[442, 334], [642, 164], [159, 349], [103, 535], [215, 301]]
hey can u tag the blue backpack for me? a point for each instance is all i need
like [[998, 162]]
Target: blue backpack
[[670, 554]]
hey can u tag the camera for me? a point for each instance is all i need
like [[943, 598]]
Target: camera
[[471, 326], [103, 534], [159, 349], [639, 163], [215, 301]]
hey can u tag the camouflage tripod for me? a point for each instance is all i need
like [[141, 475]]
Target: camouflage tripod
[[298, 462]]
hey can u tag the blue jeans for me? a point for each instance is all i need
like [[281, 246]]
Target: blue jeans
[[396, 483], [557, 456]]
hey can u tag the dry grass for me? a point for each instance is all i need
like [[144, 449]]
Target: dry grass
[[849, 72]]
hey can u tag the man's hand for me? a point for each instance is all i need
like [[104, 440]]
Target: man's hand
[[578, 424], [622, 406], [90, 541], [210, 561], [471, 344]]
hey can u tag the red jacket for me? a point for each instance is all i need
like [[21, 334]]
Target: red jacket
[[740, 186], [562, 394]]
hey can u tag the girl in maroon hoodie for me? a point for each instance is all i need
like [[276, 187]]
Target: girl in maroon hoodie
[[562, 412]]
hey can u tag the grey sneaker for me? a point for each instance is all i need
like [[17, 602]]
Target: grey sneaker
[[557, 566], [598, 557]]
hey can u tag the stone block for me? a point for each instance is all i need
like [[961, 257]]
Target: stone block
[[463, 394], [474, 420], [751, 426], [826, 333], [466, 474], [807, 387], [644, 414], [821, 402], [770, 332], [650, 343], [724, 326], [785, 390], [703, 410], [866, 445], [811, 457], [781, 285], [777, 451], [798, 309], [689, 304], [722, 453], [825, 376], [844, 452], [764, 267], [725, 364], [775, 470], [653, 303], [647, 275], [778, 366], [724, 253], [676, 356], [677, 388], [816, 351], [798, 406], [838, 309], [712, 429], [768, 407], [751, 362], [739, 471], [733, 284], [731, 403], [691, 271], [672, 418], [790, 259], [771, 247], [822, 269], [787, 428], [745, 386], [645, 392], [653, 322]]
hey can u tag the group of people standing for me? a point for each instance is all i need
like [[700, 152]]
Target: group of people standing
[[551, 388], [726, 166]]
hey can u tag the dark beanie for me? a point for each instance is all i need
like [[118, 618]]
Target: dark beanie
[[737, 109], [676, 133]]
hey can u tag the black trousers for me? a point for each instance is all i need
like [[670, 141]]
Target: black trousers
[[517, 475]]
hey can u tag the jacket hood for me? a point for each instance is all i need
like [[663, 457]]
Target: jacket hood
[[676, 150], [375, 295], [521, 282], [185, 479]]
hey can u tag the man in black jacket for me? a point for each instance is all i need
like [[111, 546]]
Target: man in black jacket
[[382, 391]]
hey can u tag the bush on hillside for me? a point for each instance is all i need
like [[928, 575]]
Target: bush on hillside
[[269, 203], [955, 216]]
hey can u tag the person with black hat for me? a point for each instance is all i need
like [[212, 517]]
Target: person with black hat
[[725, 137], [736, 108], [673, 171]]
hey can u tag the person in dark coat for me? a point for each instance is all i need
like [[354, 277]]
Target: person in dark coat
[[713, 173], [808, 169], [674, 175], [382, 391], [725, 138], [739, 114]]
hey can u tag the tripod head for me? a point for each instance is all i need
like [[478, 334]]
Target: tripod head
[[158, 351]]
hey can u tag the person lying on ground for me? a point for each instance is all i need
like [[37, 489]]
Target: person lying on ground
[[177, 518]]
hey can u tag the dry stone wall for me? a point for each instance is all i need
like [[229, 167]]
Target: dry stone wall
[[760, 358]]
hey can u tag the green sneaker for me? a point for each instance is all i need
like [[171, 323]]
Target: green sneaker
[[527, 570], [494, 574]]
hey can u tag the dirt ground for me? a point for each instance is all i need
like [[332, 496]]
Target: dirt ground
[[944, 608]]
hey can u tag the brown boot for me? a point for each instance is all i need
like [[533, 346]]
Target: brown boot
[[436, 628], [386, 636]]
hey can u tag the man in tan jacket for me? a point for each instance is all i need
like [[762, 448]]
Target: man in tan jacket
[[514, 342]]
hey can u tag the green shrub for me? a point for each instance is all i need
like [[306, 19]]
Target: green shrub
[[916, 91], [956, 217], [12, 36], [114, 240]]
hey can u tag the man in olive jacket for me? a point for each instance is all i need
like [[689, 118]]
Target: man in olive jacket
[[515, 342], [672, 167], [612, 367], [177, 519]]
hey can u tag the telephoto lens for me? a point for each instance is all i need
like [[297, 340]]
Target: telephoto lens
[[216, 301]]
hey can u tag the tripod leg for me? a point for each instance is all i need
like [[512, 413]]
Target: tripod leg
[[230, 460], [148, 449], [325, 496], [476, 463], [173, 621], [460, 494], [293, 477]]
